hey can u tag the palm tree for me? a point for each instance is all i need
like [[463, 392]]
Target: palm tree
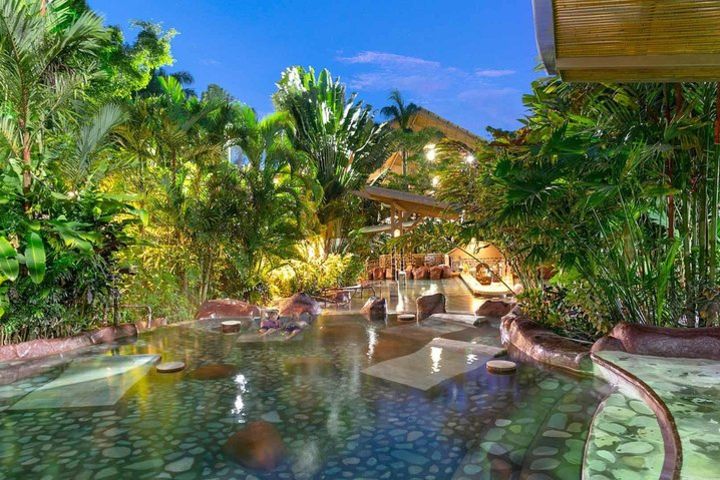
[[41, 73], [400, 114], [337, 133], [277, 215]]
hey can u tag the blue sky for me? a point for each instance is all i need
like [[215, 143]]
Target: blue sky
[[467, 60]]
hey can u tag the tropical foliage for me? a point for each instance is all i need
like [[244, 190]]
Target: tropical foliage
[[339, 137], [117, 195], [116, 191], [614, 188]]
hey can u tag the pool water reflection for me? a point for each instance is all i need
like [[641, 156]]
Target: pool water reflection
[[335, 421]]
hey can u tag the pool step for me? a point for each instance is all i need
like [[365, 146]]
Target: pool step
[[543, 438]]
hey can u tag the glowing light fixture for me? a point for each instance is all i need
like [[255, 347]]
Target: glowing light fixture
[[430, 152], [396, 233]]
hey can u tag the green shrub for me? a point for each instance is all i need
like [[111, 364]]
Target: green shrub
[[314, 276], [570, 312]]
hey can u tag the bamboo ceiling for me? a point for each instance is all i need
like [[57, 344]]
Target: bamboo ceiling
[[630, 40]]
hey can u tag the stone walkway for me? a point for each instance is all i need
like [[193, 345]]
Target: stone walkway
[[691, 390]]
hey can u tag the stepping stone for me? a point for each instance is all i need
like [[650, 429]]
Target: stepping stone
[[231, 326], [170, 367], [406, 317], [502, 367]]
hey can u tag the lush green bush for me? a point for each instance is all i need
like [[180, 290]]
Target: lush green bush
[[315, 275], [572, 312]]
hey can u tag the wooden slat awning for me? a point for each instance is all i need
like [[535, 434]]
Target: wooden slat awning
[[385, 228], [629, 40], [409, 202]]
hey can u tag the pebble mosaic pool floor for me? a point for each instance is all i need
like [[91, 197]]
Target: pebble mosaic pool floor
[[690, 389], [335, 421]]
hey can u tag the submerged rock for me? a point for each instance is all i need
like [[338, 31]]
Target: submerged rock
[[214, 372], [299, 304], [308, 365], [375, 308], [226, 308], [429, 305], [257, 446]]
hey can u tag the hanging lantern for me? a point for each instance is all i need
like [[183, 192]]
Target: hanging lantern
[[629, 40]]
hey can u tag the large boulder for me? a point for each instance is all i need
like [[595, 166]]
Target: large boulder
[[257, 446], [299, 304], [429, 305], [496, 307], [378, 273], [447, 271], [226, 308], [375, 308], [421, 273], [663, 342], [436, 273]]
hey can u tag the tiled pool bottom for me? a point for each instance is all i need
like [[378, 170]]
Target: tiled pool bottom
[[335, 421]]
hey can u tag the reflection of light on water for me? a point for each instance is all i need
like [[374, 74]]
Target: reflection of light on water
[[239, 403], [242, 382], [471, 358], [435, 356], [308, 460], [333, 421], [372, 341], [401, 301], [432, 289]]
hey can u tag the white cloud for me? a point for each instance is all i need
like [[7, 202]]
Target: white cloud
[[389, 60], [483, 94], [489, 73]]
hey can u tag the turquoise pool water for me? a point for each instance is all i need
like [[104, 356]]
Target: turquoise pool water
[[335, 421]]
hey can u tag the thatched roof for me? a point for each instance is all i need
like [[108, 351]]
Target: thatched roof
[[409, 202], [629, 40], [423, 119]]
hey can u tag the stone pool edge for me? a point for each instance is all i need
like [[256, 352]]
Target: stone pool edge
[[528, 339], [34, 349], [618, 376]]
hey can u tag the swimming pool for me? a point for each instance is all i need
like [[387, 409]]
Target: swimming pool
[[334, 420]]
